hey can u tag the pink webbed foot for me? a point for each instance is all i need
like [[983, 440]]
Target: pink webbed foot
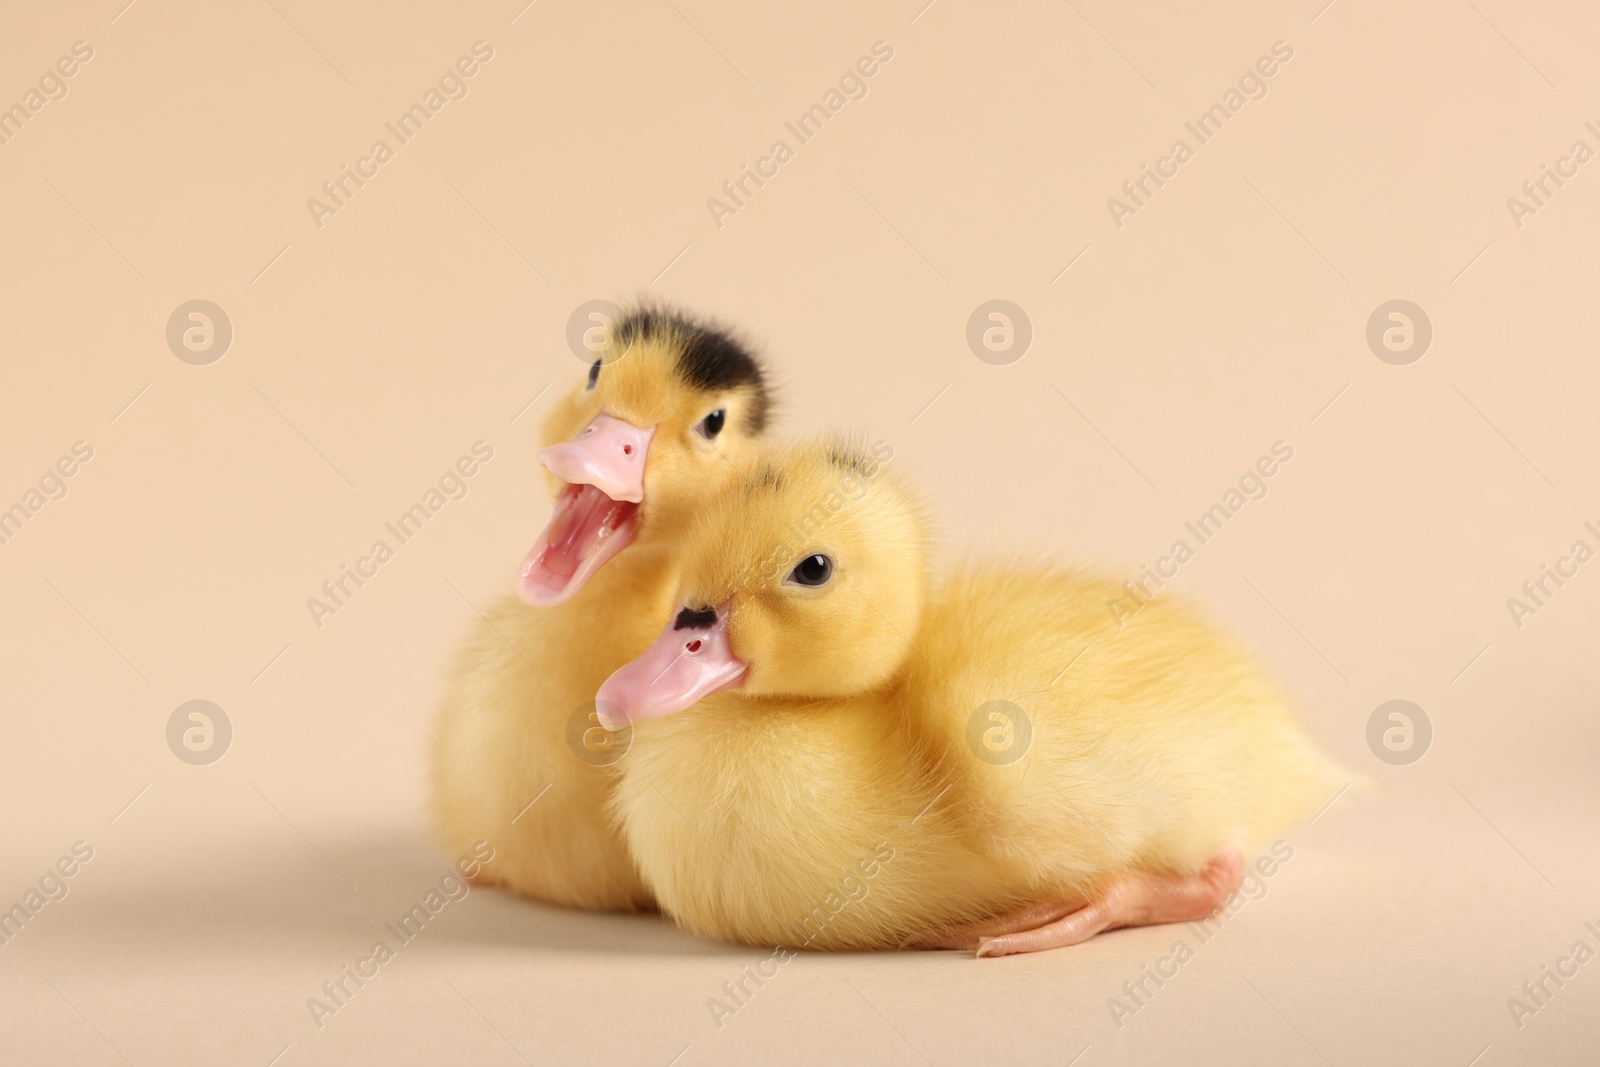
[[1136, 899]]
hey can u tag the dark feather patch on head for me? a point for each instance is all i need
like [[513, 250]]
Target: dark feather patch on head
[[769, 478], [709, 359]]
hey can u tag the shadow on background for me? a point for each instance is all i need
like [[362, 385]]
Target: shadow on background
[[260, 900]]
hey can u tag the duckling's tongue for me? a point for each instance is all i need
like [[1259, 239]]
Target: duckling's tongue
[[587, 529], [688, 662]]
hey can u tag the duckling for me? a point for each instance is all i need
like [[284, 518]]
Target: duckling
[[667, 415], [833, 751]]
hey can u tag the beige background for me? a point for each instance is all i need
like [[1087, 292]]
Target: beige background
[[1227, 314]]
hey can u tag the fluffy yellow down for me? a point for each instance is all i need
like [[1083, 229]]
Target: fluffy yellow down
[[501, 735], [839, 800]]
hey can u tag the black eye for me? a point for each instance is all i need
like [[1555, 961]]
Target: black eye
[[813, 570], [711, 425], [594, 374]]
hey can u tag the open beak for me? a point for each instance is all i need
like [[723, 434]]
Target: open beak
[[597, 513], [687, 663]]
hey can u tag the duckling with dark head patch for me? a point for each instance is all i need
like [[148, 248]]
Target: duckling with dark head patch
[[665, 419]]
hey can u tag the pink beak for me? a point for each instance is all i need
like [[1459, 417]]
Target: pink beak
[[688, 662], [609, 455], [596, 515]]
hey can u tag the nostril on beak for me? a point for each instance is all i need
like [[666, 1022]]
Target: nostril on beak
[[692, 646], [627, 450]]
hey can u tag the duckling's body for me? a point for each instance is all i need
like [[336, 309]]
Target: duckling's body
[[1160, 743], [810, 825], [519, 759], [504, 769], [1142, 760]]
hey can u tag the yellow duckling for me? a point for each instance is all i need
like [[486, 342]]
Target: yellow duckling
[[873, 762], [667, 416]]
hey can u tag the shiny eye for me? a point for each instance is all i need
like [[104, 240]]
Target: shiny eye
[[711, 425], [594, 375], [813, 570]]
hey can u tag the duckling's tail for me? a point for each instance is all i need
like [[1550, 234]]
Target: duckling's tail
[[1331, 781]]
